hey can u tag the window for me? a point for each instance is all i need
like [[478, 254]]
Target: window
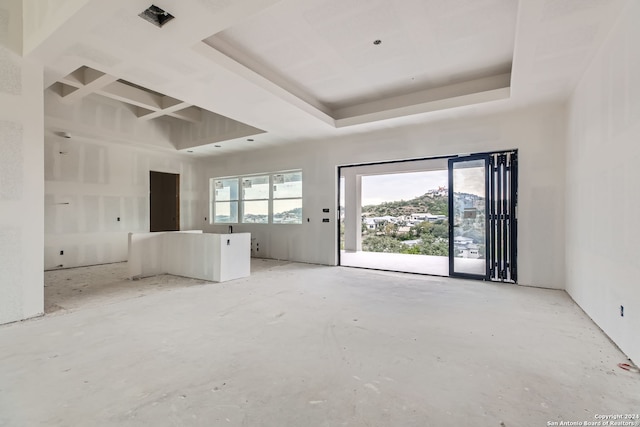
[[287, 198], [275, 198], [224, 206], [255, 199]]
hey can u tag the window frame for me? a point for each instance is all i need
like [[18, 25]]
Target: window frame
[[245, 199], [274, 198], [241, 197], [213, 200]]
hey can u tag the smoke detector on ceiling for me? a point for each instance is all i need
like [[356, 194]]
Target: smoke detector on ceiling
[[156, 16]]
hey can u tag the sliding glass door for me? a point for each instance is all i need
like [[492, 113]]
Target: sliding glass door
[[468, 226], [483, 223], [452, 216]]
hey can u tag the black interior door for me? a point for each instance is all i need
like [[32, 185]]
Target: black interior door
[[164, 194]]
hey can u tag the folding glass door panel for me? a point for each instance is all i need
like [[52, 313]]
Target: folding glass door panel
[[503, 221], [468, 226]]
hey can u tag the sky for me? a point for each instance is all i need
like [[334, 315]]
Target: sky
[[261, 190], [401, 186], [406, 186]]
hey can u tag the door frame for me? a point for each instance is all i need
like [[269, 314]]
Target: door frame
[[176, 222], [513, 219], [452, 272], [339, 170]]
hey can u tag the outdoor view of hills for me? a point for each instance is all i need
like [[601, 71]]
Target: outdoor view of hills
[[420, 225], [291, 216], [417, 226]]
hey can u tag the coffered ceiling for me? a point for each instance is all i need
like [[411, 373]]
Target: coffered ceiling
[[292, 70]]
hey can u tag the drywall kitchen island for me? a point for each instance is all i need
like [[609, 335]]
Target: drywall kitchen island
[[206, 256]]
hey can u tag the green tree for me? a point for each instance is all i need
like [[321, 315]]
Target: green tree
[[381, 244], [390, 229], [411, 250], [424, 228], [440, 229], [436, 248]]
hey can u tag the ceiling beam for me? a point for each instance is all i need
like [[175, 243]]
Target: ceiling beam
[[191, 114], [471, 92], [211, 52], [86, 81], [132, 95], [163, 111]]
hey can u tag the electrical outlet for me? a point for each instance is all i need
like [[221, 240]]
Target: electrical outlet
[[118, 219], [61, 252], [622, 311]]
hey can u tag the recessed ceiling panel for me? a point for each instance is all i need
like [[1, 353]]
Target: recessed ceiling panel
[[325, 48], [192, 125]]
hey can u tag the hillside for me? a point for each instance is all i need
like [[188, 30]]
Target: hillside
[[436, 205]]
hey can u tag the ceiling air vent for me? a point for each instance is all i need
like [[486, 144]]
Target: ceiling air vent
[[156, 16]]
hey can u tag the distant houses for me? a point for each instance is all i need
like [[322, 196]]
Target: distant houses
[[464, 247], [403, 221], [421, 217], [440, 191], [404, 229], [370, 223], [400, 225], [373, 222]]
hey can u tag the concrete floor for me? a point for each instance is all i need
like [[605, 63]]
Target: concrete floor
[[304, 345], [420, 264], [406, 263]]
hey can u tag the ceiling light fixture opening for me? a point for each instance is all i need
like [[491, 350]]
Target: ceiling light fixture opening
[[250, 139], [377, 42], [156, 16], [218, 146]]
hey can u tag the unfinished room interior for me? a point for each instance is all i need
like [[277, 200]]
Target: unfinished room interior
[[189, 235]]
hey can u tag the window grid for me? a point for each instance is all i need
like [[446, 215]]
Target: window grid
[[224, 201], [287, 198], [274, 198], [255, 199]]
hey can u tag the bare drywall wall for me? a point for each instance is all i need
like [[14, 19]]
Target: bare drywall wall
[[211, 128], [21, 176], [43, 17], [97, 182], [602, 186], [538, 132], [10, 30], [109, 120]]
